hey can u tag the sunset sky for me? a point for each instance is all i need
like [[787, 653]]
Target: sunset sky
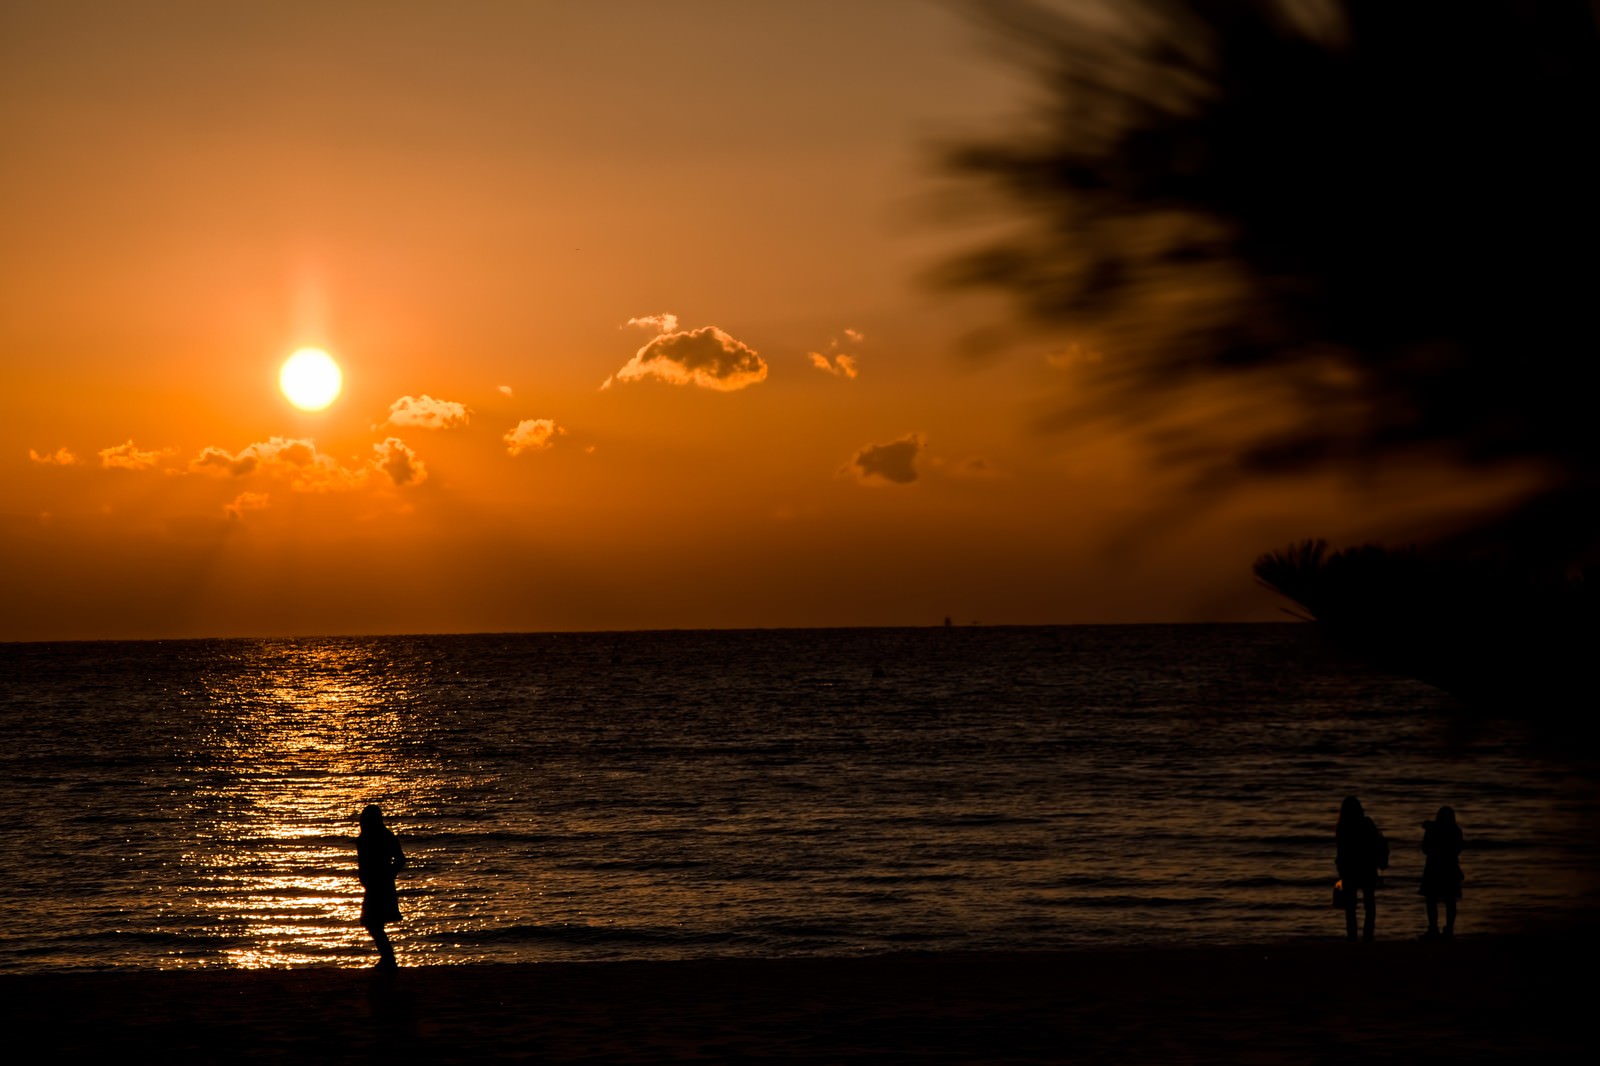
[[631, 302]]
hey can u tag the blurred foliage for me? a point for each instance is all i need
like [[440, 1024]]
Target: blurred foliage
[[1371, 223]]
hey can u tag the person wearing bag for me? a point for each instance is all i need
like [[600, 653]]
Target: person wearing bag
[[1361, 851]]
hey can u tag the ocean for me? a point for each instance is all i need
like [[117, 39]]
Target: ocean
[[661, 795]]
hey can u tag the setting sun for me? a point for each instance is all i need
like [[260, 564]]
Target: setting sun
[[310, 379]]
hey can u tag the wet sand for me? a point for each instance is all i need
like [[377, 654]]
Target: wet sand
[[1483, 999]]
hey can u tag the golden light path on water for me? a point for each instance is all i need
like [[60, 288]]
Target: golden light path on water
[[302, 736]]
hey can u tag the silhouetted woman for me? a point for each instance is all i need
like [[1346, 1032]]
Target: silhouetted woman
[[1441, 870], [1362, 852], [379, 858]]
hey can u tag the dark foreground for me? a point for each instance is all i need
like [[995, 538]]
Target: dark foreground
[[1491, 999]]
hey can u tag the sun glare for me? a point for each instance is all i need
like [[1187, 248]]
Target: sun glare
[[310, 379]]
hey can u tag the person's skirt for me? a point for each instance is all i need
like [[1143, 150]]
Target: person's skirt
[[380, 905], [1440, 884]]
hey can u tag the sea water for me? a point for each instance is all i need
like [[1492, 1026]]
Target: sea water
[[755, 793]]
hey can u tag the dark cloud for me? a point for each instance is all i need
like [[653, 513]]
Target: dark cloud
[[399, 462], [706, 357], [895, 461]]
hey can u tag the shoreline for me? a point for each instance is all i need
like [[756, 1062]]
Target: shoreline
[[1473, 998]]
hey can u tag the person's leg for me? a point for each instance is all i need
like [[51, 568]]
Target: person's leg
[[1369, 900], [1433, 916], [381, 939], [1449, 917], [1350, 914]]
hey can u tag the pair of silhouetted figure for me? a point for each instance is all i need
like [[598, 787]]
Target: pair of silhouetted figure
[[378, 859], [1362, 851]]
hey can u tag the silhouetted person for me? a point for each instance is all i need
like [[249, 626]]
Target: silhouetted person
[[1362, 852], [1441, 871], [378, 858]]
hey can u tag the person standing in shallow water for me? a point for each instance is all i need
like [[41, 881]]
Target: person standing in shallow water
[[1441, 870], [378, 859], [1361, 852]]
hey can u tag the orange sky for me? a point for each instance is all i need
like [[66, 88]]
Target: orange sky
[[466, 205]]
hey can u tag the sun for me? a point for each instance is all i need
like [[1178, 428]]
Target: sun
[[310, 379]]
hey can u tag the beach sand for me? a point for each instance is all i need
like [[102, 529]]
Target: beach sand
[[1484, 999]]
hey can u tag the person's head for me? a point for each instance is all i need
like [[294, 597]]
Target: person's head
[[1350, 809], [1446, 816], [371, 817]]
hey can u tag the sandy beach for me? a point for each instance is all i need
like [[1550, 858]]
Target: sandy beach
[[1488, 999]]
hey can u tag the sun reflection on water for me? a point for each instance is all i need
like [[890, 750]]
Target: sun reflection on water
[[301, 736], [669, 795]]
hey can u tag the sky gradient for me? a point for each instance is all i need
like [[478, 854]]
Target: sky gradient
[[632, 306]]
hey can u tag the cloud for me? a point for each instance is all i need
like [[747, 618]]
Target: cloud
[[895, 461], [128, 457], [294, 451], [666, 322], [843, 366], [399, 462], [425, 412], [271, 454], [218, 461], [295, 460], [308, 470], [245, 501], [504, 390], [840, 364], [706, 357], [59, 457], [531, 435]]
